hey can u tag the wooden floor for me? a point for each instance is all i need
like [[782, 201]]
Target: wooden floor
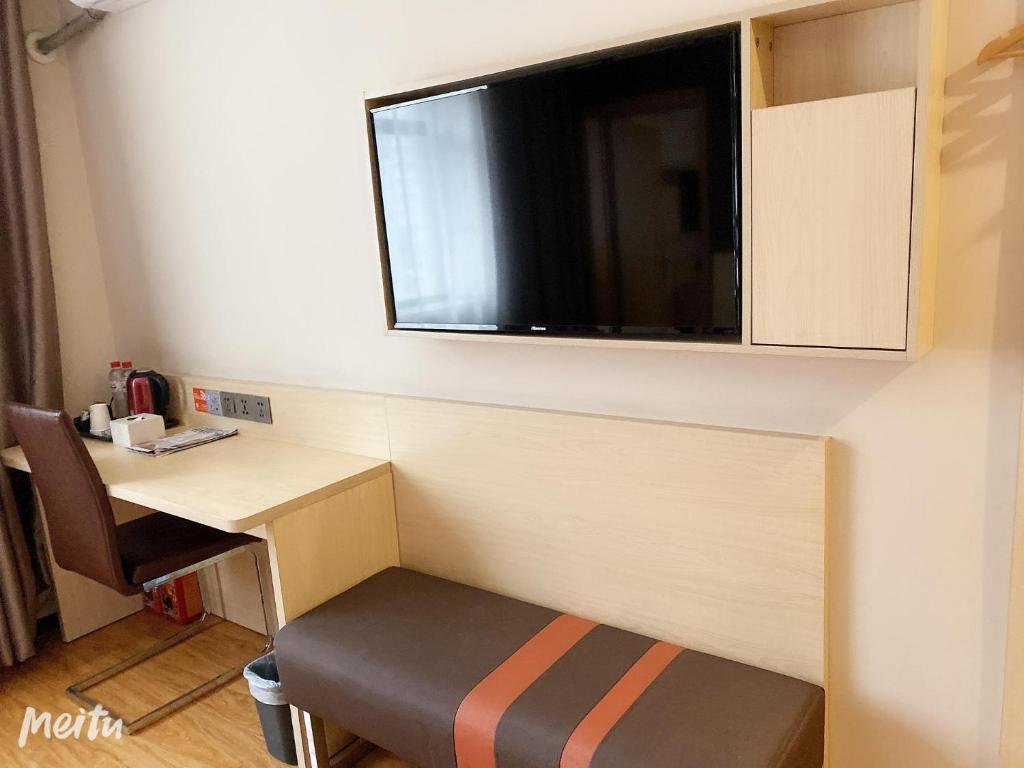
[[221, 729]]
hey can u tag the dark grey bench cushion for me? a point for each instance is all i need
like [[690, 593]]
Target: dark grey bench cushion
[[394, 657]]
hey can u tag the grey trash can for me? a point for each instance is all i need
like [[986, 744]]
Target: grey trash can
[[275, 717]]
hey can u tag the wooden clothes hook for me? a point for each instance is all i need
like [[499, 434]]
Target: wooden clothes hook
[[1009, 46]]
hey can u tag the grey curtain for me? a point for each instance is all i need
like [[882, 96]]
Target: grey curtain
[[29, 351]]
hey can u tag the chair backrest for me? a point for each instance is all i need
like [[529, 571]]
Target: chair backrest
[[79, 517]]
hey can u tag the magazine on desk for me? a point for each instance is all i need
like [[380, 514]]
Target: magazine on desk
[[179, 441]]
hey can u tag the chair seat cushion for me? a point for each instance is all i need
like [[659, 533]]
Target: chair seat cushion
[[159, 544], [414, 663]]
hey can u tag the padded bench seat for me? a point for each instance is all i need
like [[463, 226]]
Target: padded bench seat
[[448, 676]]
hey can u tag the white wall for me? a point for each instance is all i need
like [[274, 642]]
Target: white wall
[[227, 159], [83, 315]]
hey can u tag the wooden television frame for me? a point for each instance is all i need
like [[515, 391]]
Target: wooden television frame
[[842, 44]]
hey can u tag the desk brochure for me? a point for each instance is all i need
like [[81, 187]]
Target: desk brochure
[[179, 441]]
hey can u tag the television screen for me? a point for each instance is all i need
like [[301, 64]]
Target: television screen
[[594, 196]]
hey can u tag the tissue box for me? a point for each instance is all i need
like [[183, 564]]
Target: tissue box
[[140, 428]]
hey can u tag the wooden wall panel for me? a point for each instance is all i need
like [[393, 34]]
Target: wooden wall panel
[[712, 538], [339, 420]]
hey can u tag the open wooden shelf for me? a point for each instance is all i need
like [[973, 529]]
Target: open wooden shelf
[[864, 51], [845, 126]]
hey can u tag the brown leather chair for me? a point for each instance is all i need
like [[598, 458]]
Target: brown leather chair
[[129, 558]]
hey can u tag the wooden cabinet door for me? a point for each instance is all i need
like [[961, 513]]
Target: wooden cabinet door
[[831, 198]]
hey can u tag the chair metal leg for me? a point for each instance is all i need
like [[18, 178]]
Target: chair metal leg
[[77, 690]]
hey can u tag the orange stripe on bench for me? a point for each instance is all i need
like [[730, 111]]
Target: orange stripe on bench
[[587, 737], [476, 720]]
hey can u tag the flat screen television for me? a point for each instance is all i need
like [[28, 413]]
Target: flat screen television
[[593, 196]]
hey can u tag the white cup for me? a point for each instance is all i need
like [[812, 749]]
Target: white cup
[[99, 418]]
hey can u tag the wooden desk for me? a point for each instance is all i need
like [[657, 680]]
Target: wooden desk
[[328, 517], [234, 484]]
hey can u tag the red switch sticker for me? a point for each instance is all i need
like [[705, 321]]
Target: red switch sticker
[[199, 399]]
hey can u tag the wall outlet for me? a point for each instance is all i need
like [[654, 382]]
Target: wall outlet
[[233, 405], [261, 409], [236, 405]]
